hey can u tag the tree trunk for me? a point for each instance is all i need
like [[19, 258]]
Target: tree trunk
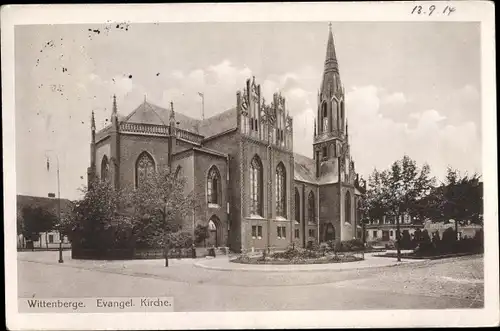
[[46, 242], [40, 239], [398, 239]]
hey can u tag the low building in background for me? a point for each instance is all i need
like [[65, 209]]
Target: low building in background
[[467, 230], [49, 239], [384, 231]]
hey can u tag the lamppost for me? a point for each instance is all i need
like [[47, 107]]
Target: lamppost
[[58, 203]]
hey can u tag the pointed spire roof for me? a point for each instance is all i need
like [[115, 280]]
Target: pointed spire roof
[[331, 84], [331, 56]]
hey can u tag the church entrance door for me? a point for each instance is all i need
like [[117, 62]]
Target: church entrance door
[[330, 232]]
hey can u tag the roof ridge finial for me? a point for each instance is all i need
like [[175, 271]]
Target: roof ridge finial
[[115, 109], [172, 112], [92, 121]]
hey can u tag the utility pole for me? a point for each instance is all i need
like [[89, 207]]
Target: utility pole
[[398, 237], [58, 206]]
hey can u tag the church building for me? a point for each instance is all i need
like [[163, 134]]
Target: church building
[[255, 192]]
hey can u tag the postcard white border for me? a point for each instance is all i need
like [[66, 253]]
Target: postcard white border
[[478, 11]]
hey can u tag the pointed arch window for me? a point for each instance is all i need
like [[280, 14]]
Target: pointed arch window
[[342, 115], [256, 186], [325, 118], [281, 190], [213, 186], [347, 207], [297, 205], [105, 169], [335, 114], [144, 168], [311, 208]]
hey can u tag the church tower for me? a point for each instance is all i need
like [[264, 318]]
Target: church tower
[[335, 170], [330, 124]]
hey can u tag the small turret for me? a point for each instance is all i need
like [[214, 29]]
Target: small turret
[[114, 113]]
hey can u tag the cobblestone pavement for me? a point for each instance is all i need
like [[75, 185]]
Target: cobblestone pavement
[[450, 283]]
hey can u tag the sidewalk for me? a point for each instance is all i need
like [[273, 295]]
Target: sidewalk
[[107, 265], [370, 261]]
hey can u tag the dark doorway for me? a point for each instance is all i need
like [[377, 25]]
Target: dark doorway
[[330, 232]]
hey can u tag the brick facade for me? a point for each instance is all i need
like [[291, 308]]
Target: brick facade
[[317, 197]]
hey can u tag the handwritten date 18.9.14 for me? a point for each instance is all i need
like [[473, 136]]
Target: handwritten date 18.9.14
[[432, 10]]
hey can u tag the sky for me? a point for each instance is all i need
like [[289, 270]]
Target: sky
[[411, 87]]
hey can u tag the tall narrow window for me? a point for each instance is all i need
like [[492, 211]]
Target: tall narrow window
[[348, 207], [297, 205], [144, 168], [281, 190], [179, 172], [105, 169], [213, 186], [342, 116], [325, 118], [317, 163], [311, 208], [256, 186], [335, 114]]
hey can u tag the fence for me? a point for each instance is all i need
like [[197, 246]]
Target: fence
[[130, 254]]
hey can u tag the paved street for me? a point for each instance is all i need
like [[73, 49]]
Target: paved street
[[449, 283]]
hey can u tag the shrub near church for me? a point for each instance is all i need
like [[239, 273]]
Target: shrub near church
[[113, 223]]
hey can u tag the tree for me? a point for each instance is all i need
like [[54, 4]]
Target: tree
[[372, 205], [400, 190], [158, 207], [449, 239], [35, 220], [436, 240], [461, 198], [96, 220], [406, 240], [200, 233]]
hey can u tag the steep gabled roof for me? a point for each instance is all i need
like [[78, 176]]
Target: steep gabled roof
[[219, 123], [304, 168], [148, 113]]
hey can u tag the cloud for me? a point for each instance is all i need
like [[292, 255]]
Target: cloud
[[396, 99], [377, 140]]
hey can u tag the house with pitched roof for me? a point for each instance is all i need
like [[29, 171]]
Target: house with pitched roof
[[256, 192]]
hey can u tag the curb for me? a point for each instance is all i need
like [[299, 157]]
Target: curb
[[263, 269]]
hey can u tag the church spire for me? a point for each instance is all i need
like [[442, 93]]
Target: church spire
[[331, 58], [331, 84]]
